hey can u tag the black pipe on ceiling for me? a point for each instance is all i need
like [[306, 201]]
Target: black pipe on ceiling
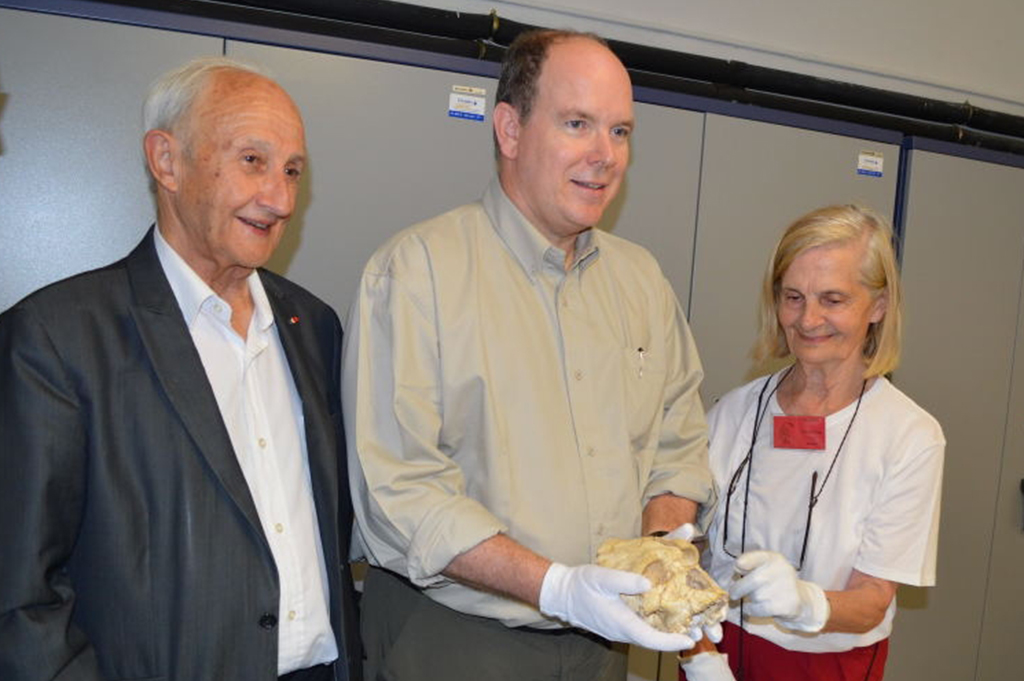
[[484, 36], [383, 13]]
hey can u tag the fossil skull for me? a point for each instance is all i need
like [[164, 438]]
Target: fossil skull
[[682, 596]]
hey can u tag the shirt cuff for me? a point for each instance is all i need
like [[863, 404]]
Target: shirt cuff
[[445, 533]]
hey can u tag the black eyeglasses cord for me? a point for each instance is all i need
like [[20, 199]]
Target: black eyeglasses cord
[[747, 462]]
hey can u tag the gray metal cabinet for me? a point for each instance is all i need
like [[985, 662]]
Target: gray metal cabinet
[[962, 267], [1000, 657], [757, 178], [73, 187], [657, 206], [707, 194], [384, 154]]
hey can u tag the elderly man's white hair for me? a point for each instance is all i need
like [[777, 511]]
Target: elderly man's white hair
[[171, 95]]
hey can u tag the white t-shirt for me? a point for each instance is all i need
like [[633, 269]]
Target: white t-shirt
[[878, 511]]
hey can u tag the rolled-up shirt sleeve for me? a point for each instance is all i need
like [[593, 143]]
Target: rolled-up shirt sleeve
[[413, 515]]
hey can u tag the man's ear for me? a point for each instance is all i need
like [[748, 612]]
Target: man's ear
[[161, 149], [506, 129]]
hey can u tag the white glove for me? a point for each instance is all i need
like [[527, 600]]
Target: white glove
[[587, 596], [684, 532], [707, 667], [772, 589], [712, 631]]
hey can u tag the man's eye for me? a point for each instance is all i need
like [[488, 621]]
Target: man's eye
[[576, 124], [622, 132], [250, 158], [294, 173]]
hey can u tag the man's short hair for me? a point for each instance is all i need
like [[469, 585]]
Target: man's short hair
[[521, 66], [171, 96]]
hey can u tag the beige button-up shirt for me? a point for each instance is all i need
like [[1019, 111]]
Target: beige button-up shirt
[[489, 390]]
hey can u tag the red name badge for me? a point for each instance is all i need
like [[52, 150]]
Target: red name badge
[[799, 432]]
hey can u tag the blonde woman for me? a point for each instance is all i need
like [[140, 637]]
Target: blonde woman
[[830, 476]]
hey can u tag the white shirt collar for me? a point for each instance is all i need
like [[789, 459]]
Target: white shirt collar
[[191, 291]]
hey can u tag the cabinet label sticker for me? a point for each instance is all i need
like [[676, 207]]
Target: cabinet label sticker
[[462, 104], [870, 163]]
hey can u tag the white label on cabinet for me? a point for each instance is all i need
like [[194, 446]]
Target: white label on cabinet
[[870, 163], [467, 102]]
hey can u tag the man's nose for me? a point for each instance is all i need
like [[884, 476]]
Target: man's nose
[[603, 151], [277, 195]]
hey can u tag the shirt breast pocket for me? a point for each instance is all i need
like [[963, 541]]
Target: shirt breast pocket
[[644, 379]]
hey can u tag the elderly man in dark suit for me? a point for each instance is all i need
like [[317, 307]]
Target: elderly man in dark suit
[[172, 477]]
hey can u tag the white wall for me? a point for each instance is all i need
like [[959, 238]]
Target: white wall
[[946, 49]]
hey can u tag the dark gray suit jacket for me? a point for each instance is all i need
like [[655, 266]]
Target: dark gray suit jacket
[[130, 547]]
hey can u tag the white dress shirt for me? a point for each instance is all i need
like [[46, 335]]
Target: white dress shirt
[[260, 405]]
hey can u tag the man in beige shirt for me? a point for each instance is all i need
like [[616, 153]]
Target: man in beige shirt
[[520, 387]]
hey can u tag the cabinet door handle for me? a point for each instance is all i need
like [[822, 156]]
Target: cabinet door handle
[[1022, 492]]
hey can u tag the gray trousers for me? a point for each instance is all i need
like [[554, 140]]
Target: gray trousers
[[408, 637]]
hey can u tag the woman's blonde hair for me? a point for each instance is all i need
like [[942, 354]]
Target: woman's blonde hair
[[830, 226]]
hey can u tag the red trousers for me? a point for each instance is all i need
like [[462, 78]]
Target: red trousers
[[762, 660]]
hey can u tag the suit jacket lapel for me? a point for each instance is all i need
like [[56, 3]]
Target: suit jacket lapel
[[180, 370]]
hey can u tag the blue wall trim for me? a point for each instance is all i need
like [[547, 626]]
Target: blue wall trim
[[952, 149], [899, 217], [758, 113], [238, 30]]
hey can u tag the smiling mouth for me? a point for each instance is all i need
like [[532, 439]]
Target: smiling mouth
[[589, 185], [262, 226]]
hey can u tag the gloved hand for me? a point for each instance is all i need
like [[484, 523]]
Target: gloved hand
[[686, 531], [707, 667], [772, 589], [587, 596], [713, 632]]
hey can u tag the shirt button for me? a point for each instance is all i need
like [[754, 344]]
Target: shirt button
[[268, 621], [600, 529], [565, 302], [590, 451], [262, 443], [279, 527], [292, 614], [578, 375]]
